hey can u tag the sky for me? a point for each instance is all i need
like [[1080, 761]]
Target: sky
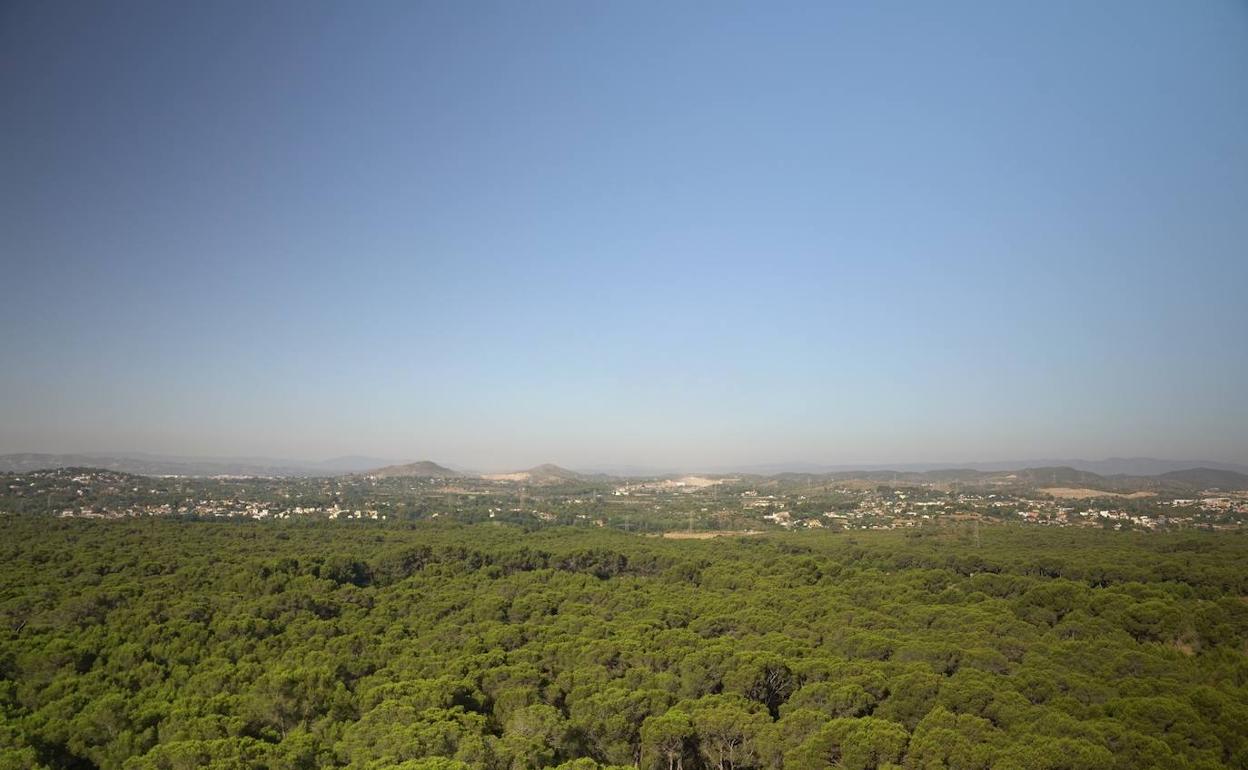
[[616, 233]]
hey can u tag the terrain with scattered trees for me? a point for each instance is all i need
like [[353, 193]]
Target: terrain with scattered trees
[[167, 644]]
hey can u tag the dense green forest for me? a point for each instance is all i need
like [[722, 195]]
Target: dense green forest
[[160, 643]]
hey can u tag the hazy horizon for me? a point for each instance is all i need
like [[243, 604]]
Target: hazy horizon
[[495, 235], [1145, 466]]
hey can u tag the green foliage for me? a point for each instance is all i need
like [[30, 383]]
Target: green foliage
[[153, 644]]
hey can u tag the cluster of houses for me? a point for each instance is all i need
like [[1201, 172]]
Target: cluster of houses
[[221, 509], [896, 509]]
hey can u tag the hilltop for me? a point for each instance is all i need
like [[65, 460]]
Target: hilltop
[[546, 473], [1207, 478], [425, 469]]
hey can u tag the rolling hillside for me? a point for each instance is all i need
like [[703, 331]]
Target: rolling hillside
[[425, 469]]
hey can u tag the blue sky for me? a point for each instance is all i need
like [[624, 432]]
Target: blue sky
[[625, 233]]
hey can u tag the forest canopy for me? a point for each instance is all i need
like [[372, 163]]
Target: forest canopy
[[152, 644]]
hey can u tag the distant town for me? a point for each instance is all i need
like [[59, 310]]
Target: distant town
[[676, 505]]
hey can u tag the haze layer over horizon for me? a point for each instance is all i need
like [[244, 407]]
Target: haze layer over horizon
[[494, 235]]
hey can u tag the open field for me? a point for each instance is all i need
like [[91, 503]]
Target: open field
[[1071, 493]]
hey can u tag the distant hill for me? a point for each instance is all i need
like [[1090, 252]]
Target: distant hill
[[547, 473], [353, 464], [424, 469], [172, 465], [1193, 478], [1207, 478], [1113, 466], [1138, 466], [152, 465], [1061, 477], [1187, 480]]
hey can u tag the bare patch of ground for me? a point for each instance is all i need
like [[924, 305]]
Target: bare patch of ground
[[695, 481], [520, 476], [1072, 493]]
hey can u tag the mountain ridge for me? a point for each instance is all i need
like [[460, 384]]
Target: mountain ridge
[[1189, 477], [420, 469]]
